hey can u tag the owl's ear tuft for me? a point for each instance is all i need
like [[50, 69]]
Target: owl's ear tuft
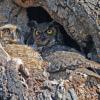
[[32, 23], [54, 24]]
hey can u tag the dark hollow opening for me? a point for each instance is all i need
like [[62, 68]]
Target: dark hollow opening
[[40, 15], [68, 41], [89, 45]]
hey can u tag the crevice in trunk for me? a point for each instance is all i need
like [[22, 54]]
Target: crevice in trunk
[[40, 15]]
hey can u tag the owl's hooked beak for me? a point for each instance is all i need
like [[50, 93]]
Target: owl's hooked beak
[[42, 42]]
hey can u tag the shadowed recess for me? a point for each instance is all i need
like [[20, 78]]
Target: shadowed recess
[[40, 15]]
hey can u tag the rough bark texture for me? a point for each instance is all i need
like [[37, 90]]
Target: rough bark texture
[[13, 14], [18, 80], [23, 72], [81, 84]]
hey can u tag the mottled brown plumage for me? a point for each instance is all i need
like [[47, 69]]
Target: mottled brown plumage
[[10, 34]]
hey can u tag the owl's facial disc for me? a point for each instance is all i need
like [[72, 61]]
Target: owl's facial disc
[[10, 36], [46, 38]]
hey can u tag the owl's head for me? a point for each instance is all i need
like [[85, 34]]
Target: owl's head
[[10, 33], [45, 34]]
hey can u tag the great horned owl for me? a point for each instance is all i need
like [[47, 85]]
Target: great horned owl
[[10, 34], [47, 37], [44, 34]]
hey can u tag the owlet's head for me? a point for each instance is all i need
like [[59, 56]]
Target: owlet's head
[[10, 33]]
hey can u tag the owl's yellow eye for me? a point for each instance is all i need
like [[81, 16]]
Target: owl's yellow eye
[[37, 33], [49, 32]]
